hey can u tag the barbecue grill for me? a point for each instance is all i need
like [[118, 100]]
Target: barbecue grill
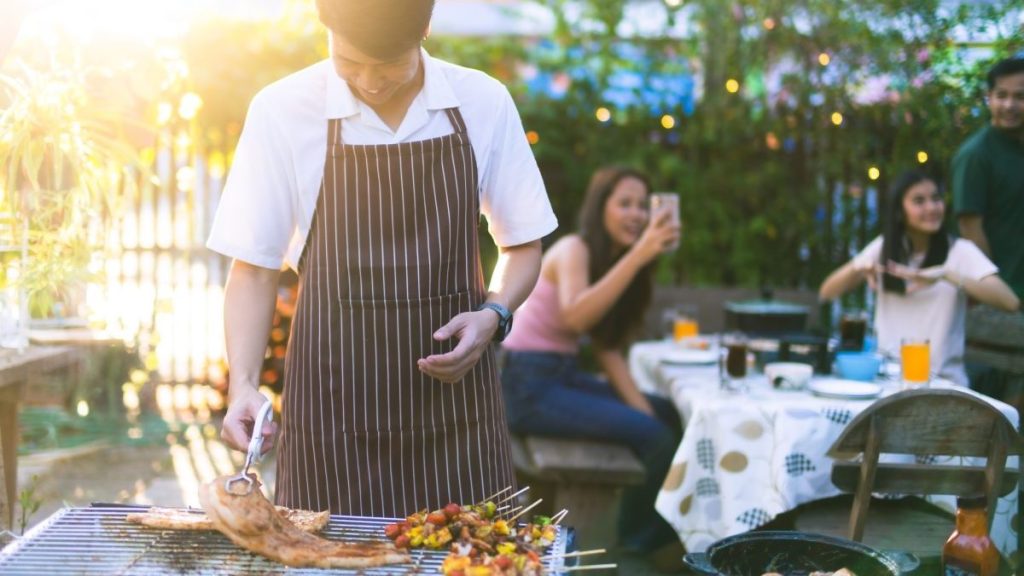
[[98, 540]]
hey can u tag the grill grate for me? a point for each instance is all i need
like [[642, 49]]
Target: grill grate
[[98, 540]]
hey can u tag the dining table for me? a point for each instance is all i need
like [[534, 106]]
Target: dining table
[[747, 456]]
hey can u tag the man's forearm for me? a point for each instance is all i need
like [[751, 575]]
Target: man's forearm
[[249, 299], [515, 274]]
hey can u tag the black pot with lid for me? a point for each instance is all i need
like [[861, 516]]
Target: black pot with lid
[[766, 317]]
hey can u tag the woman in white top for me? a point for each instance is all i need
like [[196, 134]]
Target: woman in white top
[[923, 277]]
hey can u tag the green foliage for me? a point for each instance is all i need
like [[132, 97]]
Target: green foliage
[[763, 173], [62, 154], [28, 504], [773, 191]]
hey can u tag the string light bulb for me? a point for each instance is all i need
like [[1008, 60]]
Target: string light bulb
[[874, 173], [732, 86], [922, 156], [603, 114], [668, 122]]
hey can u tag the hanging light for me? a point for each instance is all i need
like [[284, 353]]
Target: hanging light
[[668, 122], [732, 86], [603, 114], [874, 173], [824, 59], [922, 156], [837, 118]]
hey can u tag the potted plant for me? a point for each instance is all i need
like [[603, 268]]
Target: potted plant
[[63, 159]]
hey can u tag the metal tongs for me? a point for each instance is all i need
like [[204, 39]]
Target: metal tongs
[[254, 453]]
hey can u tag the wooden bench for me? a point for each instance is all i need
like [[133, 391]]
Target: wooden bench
[[584, 477]]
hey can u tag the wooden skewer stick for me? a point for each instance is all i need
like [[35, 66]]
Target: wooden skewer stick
[[502, 508], [496, 494], [525, 510], [507, 498], [559, 516], [582, 567], [513, 511], [573, 554]]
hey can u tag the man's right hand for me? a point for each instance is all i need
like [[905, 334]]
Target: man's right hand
[[243, 407]]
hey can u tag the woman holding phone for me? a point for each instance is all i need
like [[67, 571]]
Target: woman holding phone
[[596, 283]]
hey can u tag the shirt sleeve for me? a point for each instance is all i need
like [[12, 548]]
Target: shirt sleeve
[[971, 182], [870, 254], [970, 261], [513, 198], [256, 215]]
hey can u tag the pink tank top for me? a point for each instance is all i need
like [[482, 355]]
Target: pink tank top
[[538, 325]]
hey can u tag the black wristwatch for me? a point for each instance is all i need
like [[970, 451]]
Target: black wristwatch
[[504, 319]]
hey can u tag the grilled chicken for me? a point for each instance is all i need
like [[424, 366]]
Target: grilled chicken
[[178, 519], [251, 522]]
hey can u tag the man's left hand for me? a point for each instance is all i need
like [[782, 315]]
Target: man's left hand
[[474, 331]]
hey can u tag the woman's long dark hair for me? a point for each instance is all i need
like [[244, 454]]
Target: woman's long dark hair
[[621, 323], [895, 243]]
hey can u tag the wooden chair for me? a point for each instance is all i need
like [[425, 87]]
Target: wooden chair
[[925, 422]]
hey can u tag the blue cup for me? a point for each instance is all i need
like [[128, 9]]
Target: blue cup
[[861, 366]]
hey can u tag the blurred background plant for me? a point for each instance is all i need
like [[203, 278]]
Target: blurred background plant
[[778, 123], [63, 154]]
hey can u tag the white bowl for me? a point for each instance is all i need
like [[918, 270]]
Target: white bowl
[[788, 375]]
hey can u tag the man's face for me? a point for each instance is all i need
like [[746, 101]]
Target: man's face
[[1006, 102], [372, 80]]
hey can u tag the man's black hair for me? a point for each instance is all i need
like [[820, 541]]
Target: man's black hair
[[1005, 67], [383, 29]]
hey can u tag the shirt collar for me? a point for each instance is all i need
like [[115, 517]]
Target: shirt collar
[[437, 92]]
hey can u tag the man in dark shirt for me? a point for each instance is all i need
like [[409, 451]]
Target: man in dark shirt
[[988, 197], [988, 176]]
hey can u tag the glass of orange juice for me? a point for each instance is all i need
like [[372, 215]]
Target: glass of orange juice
[[684, 324], [915, 360]]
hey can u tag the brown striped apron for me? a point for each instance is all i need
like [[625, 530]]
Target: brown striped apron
[[391, 257]]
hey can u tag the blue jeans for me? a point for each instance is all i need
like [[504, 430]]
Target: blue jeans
[[547, 395]]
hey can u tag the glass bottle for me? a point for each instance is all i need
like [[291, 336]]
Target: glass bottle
[[969, 550]]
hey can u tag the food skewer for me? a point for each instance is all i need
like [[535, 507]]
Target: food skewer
[[496, 494], [507, 498], [559, 516], [574, 554], [525, 510], [514, 510], [583, 567]]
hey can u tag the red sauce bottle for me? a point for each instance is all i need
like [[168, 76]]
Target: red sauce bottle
[[969, 550]]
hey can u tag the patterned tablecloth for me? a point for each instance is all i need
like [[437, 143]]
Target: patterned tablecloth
[[745, 458]]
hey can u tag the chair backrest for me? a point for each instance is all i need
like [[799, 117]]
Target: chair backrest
[[929, 421], [925, 422]]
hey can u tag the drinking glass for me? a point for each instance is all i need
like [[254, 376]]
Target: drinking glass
[[666, 201], [915, 361], [732, 366], [684, 322], [853, 327]]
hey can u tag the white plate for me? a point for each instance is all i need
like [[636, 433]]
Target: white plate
[[690, 357], [846, 389]]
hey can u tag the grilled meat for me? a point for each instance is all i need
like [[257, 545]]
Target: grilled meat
[[251, 522], [179, 519]]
